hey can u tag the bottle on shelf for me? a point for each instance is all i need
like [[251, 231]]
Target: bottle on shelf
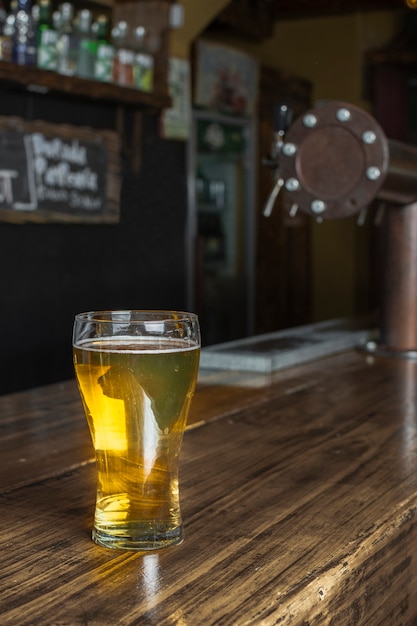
[[103, 68], [11, 17], [56, 23], [5, 36], [3, 15], [87, 45], [47, 38], [143, 64], [32, 36], [22, 46], [31, 33], [35, 18], [124, 57], [67, 40]]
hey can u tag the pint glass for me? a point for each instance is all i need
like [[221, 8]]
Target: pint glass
[[136, 373]]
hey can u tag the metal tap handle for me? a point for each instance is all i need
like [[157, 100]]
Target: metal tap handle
[[282, 120], [283, 115], [269, 205]]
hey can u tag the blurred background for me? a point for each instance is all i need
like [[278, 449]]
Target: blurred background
[[196, 169]]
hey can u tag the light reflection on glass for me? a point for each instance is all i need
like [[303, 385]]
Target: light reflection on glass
[[112, 432], [150, 436]]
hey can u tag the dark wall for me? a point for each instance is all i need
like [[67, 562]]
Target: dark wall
[[50, 272]]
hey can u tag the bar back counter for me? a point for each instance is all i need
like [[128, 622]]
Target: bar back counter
[[299, 498]]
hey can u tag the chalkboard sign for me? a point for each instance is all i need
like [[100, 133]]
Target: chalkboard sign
[[58, 173]]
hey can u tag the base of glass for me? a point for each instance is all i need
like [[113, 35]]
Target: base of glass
[[138, 542]]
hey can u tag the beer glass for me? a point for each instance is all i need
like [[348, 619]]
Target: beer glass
[[136, 373]]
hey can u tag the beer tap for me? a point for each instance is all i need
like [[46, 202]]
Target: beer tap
[[282, 120], [334, 162]]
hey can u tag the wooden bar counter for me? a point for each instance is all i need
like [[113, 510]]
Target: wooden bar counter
[[299, 498]]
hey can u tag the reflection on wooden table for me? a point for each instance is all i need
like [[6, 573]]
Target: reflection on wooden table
[[299, 498]]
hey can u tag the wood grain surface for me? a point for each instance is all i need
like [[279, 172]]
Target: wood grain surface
[[299, 498]]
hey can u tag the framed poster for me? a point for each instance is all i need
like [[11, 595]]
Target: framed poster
[[58, 173], [226, 79]]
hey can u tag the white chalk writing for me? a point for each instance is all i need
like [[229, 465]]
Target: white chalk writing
[[63, 174], [82, 201], [58, 150], [6, 189]]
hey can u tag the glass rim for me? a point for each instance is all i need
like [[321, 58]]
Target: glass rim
[[146, 315]]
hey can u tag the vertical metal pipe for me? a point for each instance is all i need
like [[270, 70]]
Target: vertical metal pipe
[[399, 307]]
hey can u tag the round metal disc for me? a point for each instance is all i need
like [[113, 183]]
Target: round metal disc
[[340, 161]]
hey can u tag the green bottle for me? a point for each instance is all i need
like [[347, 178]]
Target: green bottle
[[87, 46], [47, 39], [143, 67], [103, 68]]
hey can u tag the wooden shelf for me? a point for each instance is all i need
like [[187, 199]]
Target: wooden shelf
[[154, 16], [43, 81]]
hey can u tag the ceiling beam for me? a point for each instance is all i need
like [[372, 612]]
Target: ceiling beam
[[295, 9], [255, 19]]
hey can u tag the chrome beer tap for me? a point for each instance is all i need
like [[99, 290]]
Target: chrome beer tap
[[282, 120], [335, 161]]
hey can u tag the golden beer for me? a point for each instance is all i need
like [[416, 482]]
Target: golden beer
[[136, 393]]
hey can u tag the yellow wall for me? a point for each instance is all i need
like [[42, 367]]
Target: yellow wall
[[197, 15], [329, 52]]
